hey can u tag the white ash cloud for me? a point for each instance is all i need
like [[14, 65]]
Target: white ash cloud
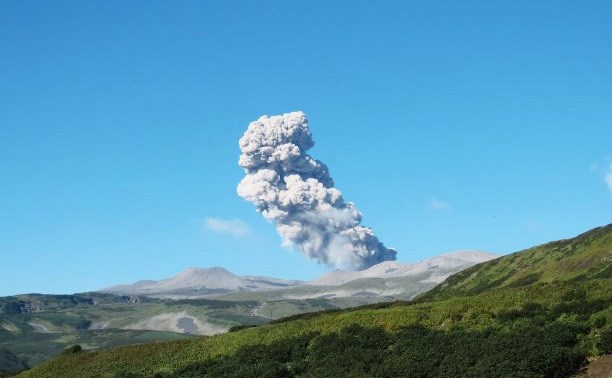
[[296, 192]]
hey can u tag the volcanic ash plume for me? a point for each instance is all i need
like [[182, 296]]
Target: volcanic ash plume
[[296, 192]]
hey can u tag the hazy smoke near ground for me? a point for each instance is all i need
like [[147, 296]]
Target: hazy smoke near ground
[[296, 192]]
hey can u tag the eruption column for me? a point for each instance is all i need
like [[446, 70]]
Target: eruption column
[[296, 192]]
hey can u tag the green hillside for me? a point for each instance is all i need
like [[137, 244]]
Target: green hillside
[[543, 328], [587, 256], [579, 314], [35, 327]]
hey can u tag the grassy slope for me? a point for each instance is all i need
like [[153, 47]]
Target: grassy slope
[[584, 257], [574, 289], [30, 349], [473, 313]]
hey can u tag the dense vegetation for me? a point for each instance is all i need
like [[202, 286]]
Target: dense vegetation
[[540, 330], [543, 328], [413, 351], [531, 341], [587, 256]]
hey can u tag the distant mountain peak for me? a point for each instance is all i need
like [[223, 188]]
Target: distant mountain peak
[[195, 281], [202, 282]]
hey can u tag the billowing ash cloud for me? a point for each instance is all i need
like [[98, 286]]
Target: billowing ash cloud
[[296, 192]]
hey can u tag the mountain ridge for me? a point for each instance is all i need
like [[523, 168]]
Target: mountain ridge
[[202, 282], [388, 269]]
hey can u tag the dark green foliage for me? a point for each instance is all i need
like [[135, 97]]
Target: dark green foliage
[[373, 306], [354, 351], [413, 351], [285, 358], [73, 349], [10, 364], [10, 307], [604, 273], [527, 280], [241, 327], [605, 342], [580, 307], [305, 316], [529, 309]]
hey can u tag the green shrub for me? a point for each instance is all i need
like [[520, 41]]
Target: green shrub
[[241, 327], [414, 351], [605, 342], [73, 349]]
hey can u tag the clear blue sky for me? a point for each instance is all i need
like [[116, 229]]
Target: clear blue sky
[[451, 124]]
